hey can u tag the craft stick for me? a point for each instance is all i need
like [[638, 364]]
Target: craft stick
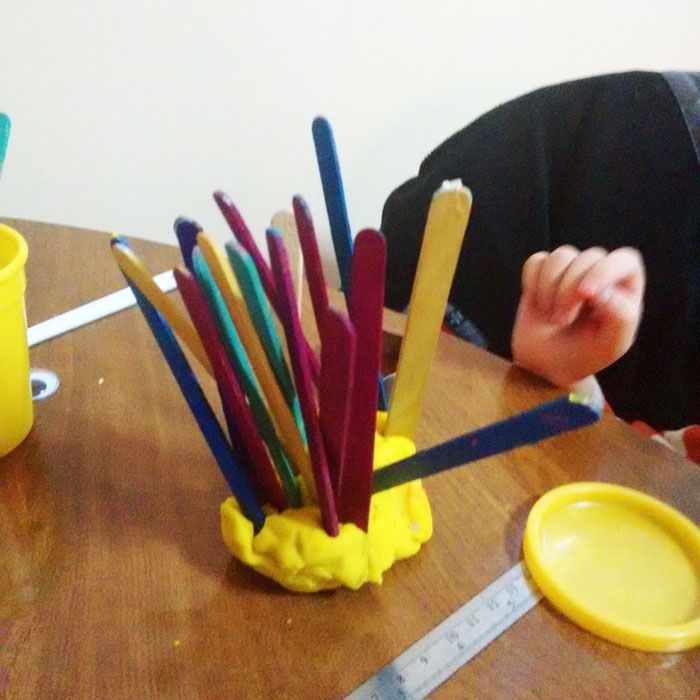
[[233, 398], [186, 231], [4, 137], [284, 222], [526, 428], [442, 242], [240, 230], [230, 467], [302, 377], [243, 235], [133, 268], [366, 307], [233, 299], [334, 196], [335, 388], [244, 373], [312, 260], [254, 296]]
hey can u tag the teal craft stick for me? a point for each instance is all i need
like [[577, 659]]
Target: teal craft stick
[[4, 137], [254, 295], [246, 377]]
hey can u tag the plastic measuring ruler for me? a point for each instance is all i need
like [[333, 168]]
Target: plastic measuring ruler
[[457, 639]]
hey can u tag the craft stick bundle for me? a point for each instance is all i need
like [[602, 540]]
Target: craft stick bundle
[[304, 438]]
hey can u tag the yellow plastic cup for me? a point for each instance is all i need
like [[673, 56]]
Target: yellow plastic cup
[[16, 414]]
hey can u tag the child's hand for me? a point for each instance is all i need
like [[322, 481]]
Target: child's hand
[[579, 311]]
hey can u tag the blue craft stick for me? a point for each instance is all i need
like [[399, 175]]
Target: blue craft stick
[[4, 137], [254, 295], [526, 428], [186, 231], [334, 195], [234, 474], [245, 375]]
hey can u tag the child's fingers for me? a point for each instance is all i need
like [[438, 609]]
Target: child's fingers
[[531, 274], [622, 269], [553, 268], [566, 299]]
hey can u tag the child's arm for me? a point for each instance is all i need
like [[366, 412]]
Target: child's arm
[[578, 313]]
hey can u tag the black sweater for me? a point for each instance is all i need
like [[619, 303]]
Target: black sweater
[[602, 161]]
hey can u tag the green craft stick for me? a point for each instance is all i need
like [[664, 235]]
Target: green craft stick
[[246, 377], [254, 296]]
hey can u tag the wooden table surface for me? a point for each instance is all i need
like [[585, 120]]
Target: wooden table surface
[[115, 583]]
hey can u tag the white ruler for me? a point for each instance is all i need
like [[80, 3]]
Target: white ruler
[[92, 311], [456, 640]]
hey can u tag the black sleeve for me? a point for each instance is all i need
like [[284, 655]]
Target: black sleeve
[[601, 161]]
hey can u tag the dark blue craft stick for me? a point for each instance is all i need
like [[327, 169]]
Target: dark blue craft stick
[[235, 477], [334, 195], [186, 231], [526, 428]]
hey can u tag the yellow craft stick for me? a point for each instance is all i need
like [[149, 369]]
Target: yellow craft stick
[[442, 242], [284, 222], [235, 303], [134, 269]]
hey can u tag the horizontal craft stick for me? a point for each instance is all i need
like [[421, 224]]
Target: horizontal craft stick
[[526, 428]]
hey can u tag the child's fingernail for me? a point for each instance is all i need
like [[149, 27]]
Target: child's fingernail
[[603, 296]]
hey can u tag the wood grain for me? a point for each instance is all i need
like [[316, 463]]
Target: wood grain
[[114, 581]]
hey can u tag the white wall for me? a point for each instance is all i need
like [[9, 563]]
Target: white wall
[[127, 114]]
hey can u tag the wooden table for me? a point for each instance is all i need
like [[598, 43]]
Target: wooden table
[[114, 581]]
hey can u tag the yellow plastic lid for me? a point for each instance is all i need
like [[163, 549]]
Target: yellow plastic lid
[[619, 563]]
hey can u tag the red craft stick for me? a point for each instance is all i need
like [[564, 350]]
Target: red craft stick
[[243, 235], [338, 348], [232, 396], [312, 260], [366, 307], [302, 378]]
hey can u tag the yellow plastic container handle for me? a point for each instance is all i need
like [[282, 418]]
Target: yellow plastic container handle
[[619, 563], [16, 415]]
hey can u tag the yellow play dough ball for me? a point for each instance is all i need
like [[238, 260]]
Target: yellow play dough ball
[[293, 548]]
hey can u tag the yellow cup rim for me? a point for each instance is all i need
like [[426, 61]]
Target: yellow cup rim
[[15, 265]]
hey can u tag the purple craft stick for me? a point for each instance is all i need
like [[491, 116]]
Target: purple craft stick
[[186, 231], [240, 230], [338, 348], [312, 260], [302, 378], [232, 396], [366, 307]]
